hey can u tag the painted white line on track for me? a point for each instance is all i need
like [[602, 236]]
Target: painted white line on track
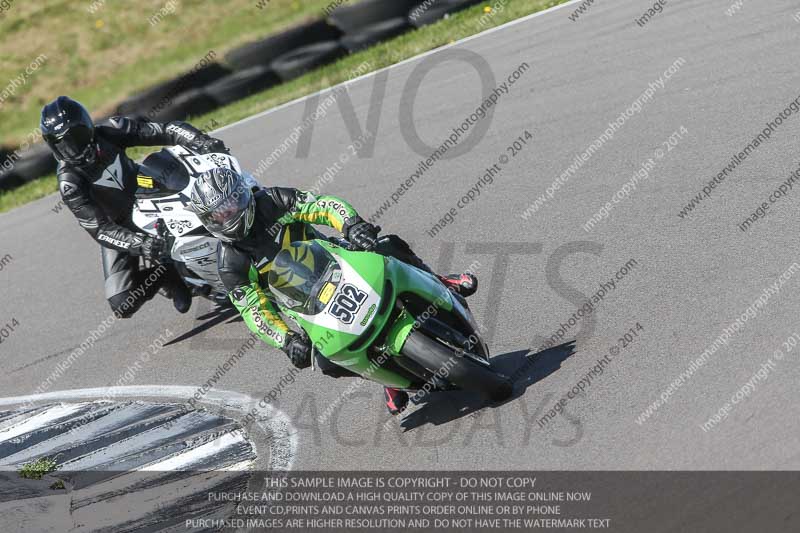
[[403, 62], [274, 423]]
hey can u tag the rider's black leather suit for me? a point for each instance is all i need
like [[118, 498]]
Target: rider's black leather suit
[[100, 193]]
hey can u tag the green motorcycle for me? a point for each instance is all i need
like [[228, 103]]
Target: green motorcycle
[[382, 319]]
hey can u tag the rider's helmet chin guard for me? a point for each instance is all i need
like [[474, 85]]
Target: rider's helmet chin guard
[[68, 130], [223, 201]]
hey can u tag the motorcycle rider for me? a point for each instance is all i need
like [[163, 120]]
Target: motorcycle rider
[[254, 224], [98, 181]]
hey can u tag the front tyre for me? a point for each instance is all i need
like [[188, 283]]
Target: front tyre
[[460, 371]]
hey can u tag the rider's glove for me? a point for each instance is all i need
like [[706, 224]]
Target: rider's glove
[[298, 348], [154, 248], [208, 145], [361, 233]]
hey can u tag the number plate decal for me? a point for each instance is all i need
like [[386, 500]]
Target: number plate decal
[[347, 303]]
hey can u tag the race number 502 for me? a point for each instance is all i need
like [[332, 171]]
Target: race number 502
[[347, 303]]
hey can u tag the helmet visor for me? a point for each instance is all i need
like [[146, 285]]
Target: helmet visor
[[73, 143], [232, 217]]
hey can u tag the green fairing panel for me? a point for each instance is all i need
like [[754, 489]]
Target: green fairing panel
[[370, 269], [369, 272], [406, 278]]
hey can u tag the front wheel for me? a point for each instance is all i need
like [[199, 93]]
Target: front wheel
[[459, 370]]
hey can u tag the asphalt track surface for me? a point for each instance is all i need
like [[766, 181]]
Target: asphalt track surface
[[693, 276]]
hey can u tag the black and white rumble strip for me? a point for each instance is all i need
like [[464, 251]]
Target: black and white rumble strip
[[125, 465]]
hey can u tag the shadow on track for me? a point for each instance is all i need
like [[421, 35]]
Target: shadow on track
[[522, 367], [215, 316]]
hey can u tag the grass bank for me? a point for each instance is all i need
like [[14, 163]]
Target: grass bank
[[463, 24]]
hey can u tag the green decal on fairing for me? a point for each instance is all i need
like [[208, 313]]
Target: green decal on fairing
[[369, 315]]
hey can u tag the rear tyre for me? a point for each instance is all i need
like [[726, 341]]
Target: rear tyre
[[459, 370]]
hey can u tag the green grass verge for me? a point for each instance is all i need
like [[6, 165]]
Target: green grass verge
[[100, 51], [458, 26], [28, 192]]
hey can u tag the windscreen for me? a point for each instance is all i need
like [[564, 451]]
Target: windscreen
[[303, 277]]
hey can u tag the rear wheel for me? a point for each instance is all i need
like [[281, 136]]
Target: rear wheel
[[459, 370]]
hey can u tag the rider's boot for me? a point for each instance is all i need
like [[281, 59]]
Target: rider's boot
[[396, 400], [181, 297], [176, 290], [462, 284]]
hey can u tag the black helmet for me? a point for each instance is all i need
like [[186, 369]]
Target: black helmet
[[68, 129], [223, 201]]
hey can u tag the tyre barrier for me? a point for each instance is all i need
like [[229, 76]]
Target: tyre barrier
[[437, 10], [300, 61], [242, 84], [6, 152], [148, 103], [8, 179], [257, 66], [189, 104], [356, 17], [28, 165], [375, 33], [34, 162], [262, 52]]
